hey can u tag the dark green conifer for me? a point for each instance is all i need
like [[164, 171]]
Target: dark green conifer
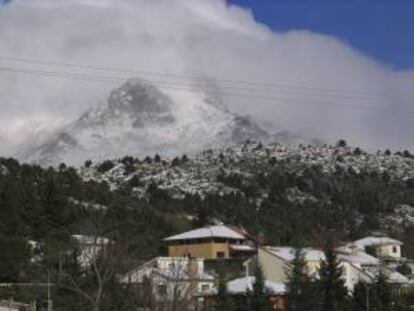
[[360, 298], [383, 293], [259, 298], [300, 295], [334, 295], [224, 302]]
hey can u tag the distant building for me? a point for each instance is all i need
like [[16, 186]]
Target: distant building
[[211, 243], [381, 247], [167, 280], [240, 290], [361, 266], [89, 248], [358, 266], [276, 262], [11, 305]]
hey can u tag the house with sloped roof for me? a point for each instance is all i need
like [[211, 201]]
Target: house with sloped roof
[[361, 266], [240, 290], [169, 280], [381, 247], [275, 262], [241, 287], [211, 242]]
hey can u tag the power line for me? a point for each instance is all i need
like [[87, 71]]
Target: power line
[[264, 85], [117, 81], [200, 80], [26, 284]]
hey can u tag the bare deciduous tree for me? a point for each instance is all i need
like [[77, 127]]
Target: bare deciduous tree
[[101, 257], [168, 289]]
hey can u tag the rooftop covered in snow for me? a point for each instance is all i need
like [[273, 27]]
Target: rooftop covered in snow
[[374, 241], [245, 284], [359, 258], [219, 231], [288, 253], [90, 240]]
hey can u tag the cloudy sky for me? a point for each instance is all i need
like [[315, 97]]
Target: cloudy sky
[[304, 80]]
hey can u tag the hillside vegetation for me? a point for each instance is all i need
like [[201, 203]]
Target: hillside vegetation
[[284, 195]]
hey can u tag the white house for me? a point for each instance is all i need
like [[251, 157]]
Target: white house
[[360, 266], [357, 265], [89, 247], [171, 278], [381, 247]]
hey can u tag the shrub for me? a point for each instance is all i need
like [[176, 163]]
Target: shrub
[[105, 166]]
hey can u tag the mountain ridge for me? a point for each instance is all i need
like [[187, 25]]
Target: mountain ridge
[[143, 119], [139, 118]]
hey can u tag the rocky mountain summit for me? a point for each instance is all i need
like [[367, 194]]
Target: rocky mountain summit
[[139, 118]]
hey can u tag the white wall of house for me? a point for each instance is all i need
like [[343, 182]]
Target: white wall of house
[[88, 253], [89, 247], [174, 267], [353, 274], [172, 278], [389, 250]]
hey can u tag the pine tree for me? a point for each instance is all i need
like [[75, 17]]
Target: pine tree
[[224, 302], [383, 293], [360, 297], [259, 299], [300, 296], [331, 285], [342, 143], [14, 256]]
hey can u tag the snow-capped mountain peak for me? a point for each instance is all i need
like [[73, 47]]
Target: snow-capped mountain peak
[[140, 119]]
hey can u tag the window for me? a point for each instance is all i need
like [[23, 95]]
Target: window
[[205, 287], [220, 255], [394, 249], [162, 289]]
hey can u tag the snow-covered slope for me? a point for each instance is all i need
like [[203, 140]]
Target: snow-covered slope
[[140, 119], [201, 174]]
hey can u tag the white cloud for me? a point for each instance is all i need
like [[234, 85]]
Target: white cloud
[[197, 38]]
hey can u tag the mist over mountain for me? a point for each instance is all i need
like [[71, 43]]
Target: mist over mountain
[[305, 82], [141, 119]]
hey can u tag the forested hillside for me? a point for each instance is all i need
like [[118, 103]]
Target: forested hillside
[[287, 194], [284, 196]]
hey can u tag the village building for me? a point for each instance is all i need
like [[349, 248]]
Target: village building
[[360, 265], [167, 280], [240, 290], [89, 248], [275, 262], [357, 266], [380, 247], [211, 242], [11, 305]]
